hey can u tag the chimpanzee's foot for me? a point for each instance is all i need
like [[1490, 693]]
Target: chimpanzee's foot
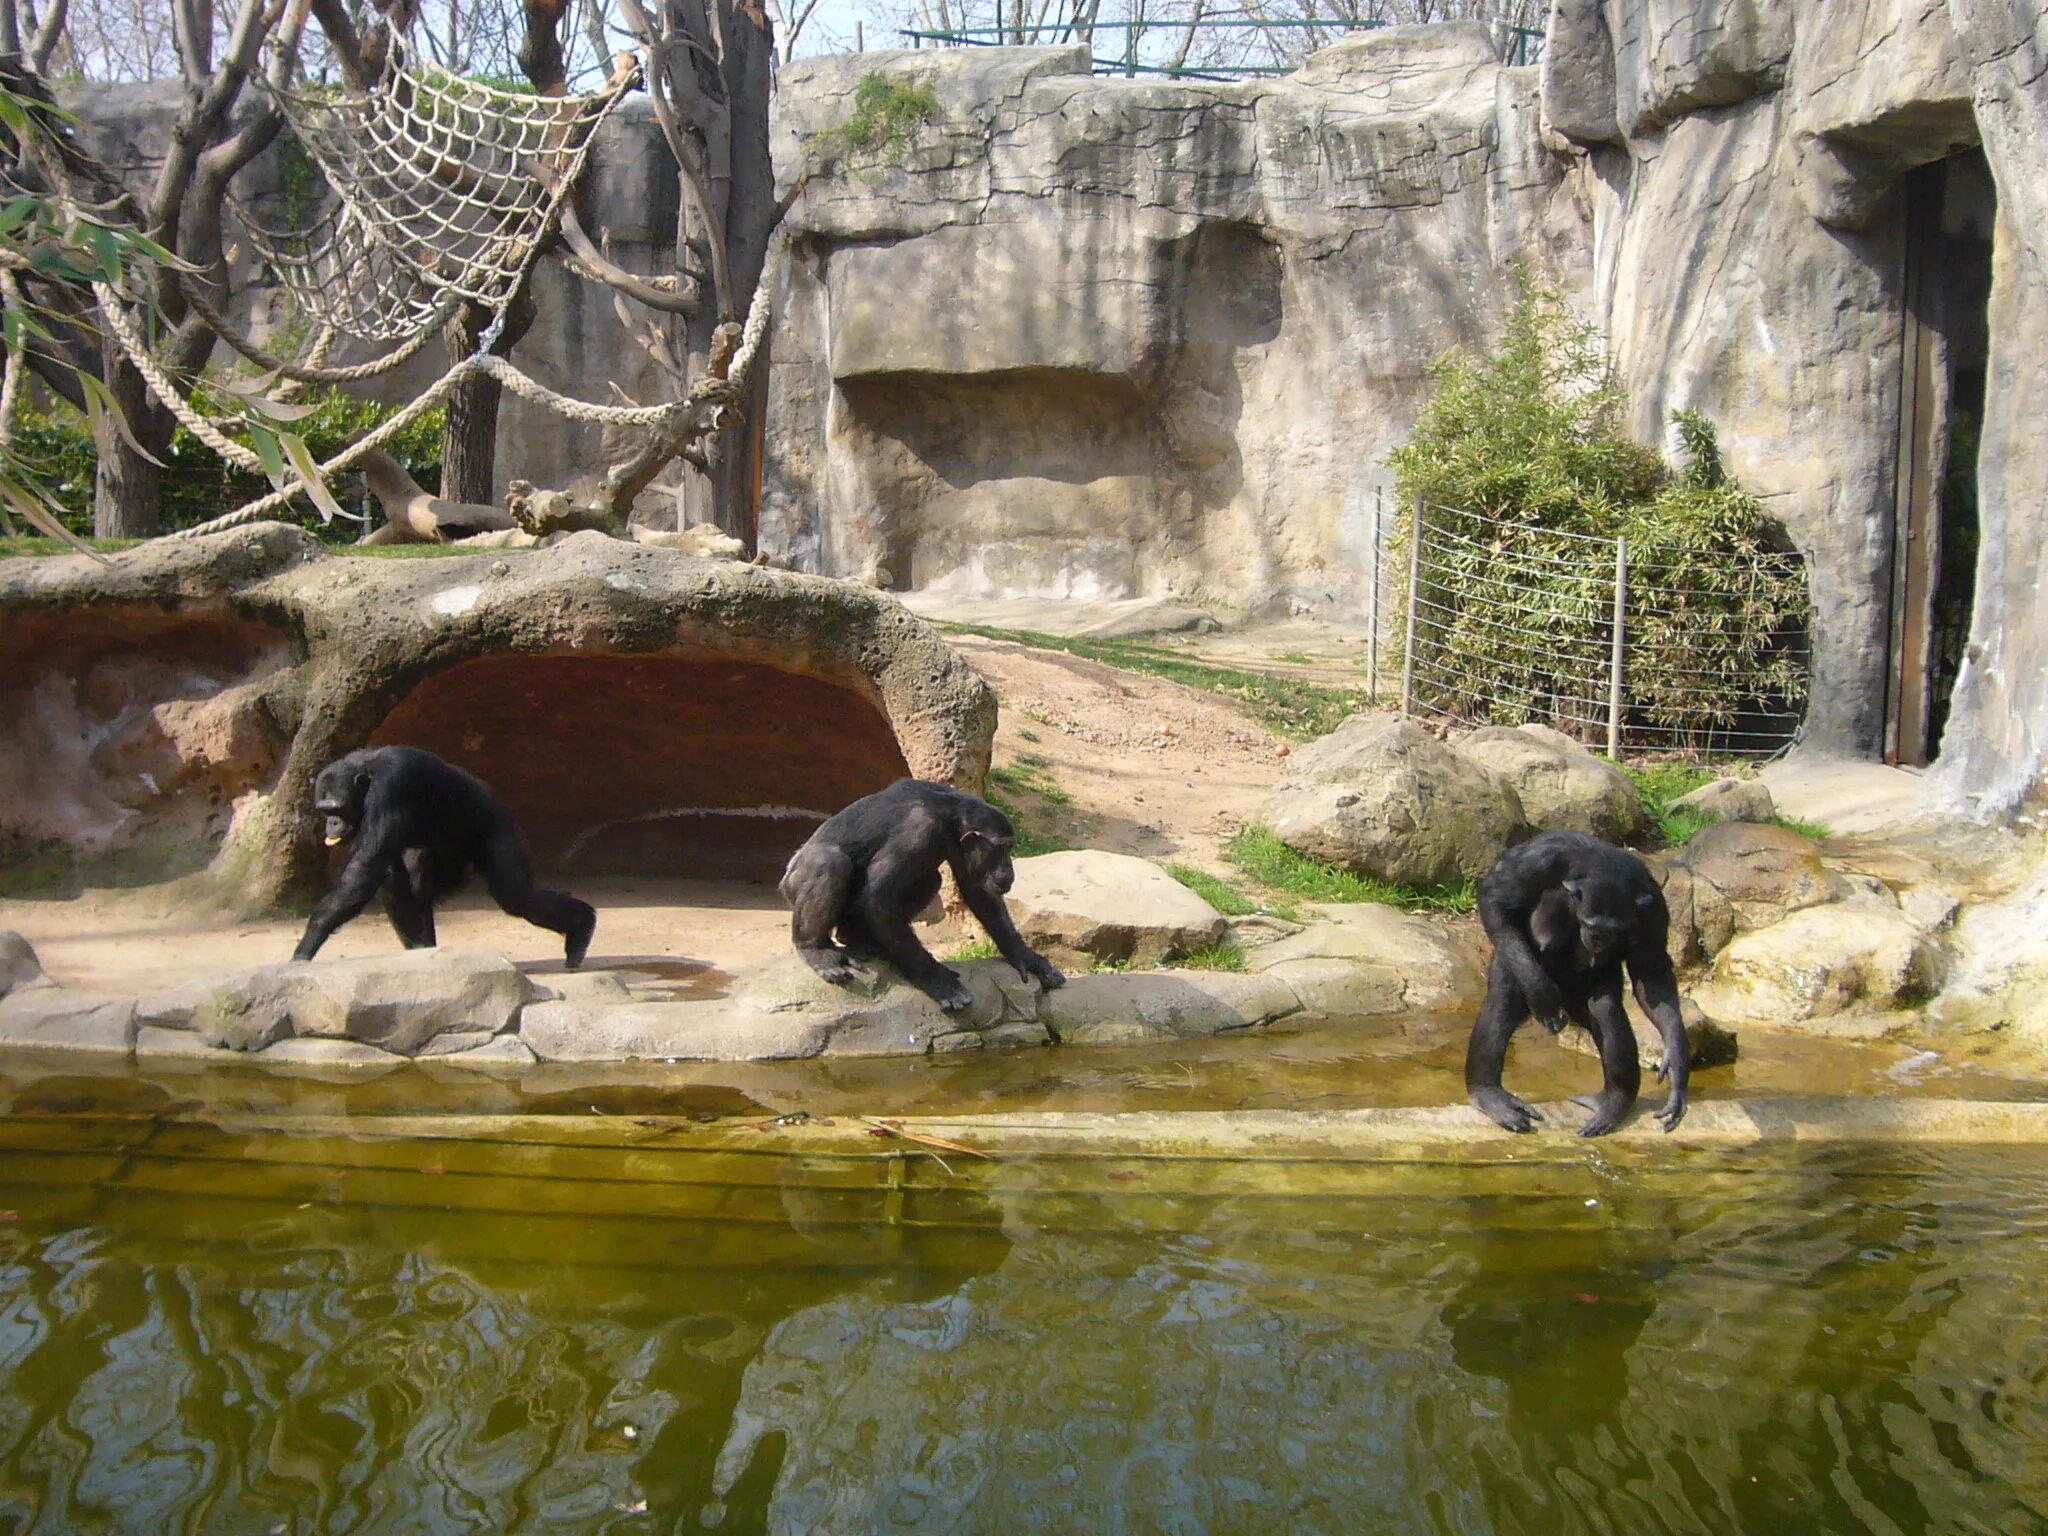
[[1505, 1110]]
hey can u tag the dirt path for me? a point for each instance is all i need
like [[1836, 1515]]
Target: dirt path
[[1148, 767]]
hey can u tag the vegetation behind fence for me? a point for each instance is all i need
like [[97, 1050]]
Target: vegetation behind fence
[[1552, 569]]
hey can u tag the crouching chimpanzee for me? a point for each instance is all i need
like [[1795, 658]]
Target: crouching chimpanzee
[[1565, 912], [418, 825], [867, 871]]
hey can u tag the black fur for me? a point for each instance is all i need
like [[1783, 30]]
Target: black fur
[[1566, 912], [869, 870], [417, 826]]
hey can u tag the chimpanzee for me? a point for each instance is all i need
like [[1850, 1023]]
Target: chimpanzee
[[418, 825], [870, 869], [1565, 911]]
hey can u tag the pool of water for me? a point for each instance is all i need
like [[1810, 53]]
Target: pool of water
[[210, 1331]]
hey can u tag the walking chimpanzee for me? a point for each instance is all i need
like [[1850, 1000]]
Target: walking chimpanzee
[[418, 825], [873, 867], [1566, 912]]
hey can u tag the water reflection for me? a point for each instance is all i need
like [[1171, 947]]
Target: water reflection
[[208, 1333]]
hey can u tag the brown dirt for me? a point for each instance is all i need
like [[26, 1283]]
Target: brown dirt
[[1149, 767]]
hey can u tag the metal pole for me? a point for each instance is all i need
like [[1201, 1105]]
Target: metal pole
[[1414, 589], [1620, 635], [860, 42], [1372, 599]]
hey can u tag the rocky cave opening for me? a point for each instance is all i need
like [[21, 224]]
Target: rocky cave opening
[[653, 765]]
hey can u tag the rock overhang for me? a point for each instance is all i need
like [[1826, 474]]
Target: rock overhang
[[645, 683]]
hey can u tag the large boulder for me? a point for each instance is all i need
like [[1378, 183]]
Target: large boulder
[[404, 1003], [42, 1014], [1763, 873], [1369, 961], [1113, 1010], [1821, 962], [1562, 786], [19, 966], [1381, 796], [1731, 800], [1079, 908]]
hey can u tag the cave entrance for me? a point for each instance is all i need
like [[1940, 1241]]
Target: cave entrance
[[671, 765], [1951, 206]]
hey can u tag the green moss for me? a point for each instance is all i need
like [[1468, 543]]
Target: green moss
[[886, 116], [1260, 854]]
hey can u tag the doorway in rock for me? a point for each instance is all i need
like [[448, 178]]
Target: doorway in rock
[[1950, 208]]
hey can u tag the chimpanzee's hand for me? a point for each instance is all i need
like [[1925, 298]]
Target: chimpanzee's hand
[[950, 992], [1048, 974], [1546, 1003]]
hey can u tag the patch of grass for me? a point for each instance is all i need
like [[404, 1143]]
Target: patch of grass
[[1288, 707], [1260, 854], [973, 949], [1812, 829], [415, 551], [1024, 791], [1211, 957], [1220, 894], [1673, 826], [1296, 658], [1661, 783], [1031, 736], [36, 544]]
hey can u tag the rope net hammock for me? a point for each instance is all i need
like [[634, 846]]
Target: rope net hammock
[[439, 189]]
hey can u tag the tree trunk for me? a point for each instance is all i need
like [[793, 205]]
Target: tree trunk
[[749, 65], [124, 491], [469, 437]]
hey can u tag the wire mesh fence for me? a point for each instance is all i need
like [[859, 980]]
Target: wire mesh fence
[[1657, 649]]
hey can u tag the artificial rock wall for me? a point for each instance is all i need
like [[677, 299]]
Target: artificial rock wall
[[1107, 338], [1101, 337]]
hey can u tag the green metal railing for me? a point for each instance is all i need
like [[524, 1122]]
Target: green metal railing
[[1519, 45]]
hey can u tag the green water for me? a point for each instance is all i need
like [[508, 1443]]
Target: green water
[[216, 1332]]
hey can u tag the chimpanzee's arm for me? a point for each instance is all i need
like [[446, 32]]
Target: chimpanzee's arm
[[1507, 897], [995, 917], [1656, 989], [886, 909], [360, 877]]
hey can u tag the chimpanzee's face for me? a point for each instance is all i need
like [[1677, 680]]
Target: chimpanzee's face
[[1606, 916], [338, 795], [985, 859]]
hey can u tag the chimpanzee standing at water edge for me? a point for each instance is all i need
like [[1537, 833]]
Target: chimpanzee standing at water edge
[[867, 871], [418, 825], [1565, 912]]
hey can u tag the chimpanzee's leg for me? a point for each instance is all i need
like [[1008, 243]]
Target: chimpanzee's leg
[[510, 877], [411, 913], [817, 885], [1487, 1052], [859, 941], [888, 898]]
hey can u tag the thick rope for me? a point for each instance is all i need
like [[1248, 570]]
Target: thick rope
[[277, 501], [10, 382], [311, 371], [166, 392]]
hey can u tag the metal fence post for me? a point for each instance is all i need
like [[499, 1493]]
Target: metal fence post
[[1372, 597], [1414, 589], [1620, 633]]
